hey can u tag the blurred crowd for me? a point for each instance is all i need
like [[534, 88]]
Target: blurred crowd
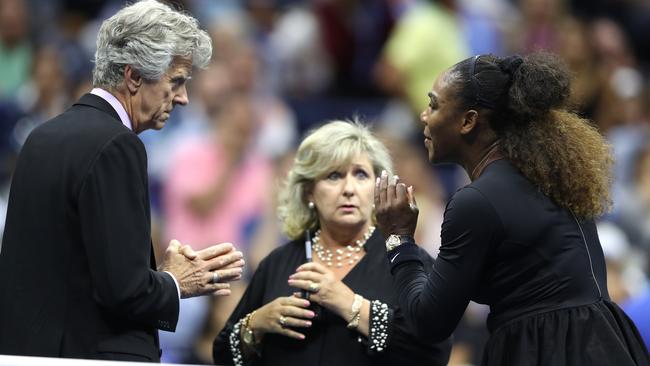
[[281, 67]]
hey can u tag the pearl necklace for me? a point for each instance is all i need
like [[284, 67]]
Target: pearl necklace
[[350, 254]]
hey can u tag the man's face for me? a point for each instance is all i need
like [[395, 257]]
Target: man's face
[[155, 99]]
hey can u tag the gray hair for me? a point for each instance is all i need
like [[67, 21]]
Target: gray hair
[[327, 148], [147, 35]]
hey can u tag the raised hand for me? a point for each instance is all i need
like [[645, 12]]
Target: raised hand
[[395, 206]]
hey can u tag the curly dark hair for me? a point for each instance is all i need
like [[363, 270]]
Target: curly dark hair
[[526, 100]]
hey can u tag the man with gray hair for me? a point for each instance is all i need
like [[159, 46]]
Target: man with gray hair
[[77, 271]]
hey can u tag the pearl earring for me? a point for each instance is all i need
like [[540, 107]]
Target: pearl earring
[[311, 205]]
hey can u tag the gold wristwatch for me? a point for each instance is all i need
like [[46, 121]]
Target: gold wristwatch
[[247, 333], [395, 240]]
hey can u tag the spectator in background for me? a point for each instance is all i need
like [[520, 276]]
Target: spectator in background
[[634, 207], [216, 186], [328, 197], [15, 47], [426, 39]]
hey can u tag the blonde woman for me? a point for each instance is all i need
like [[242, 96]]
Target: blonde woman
[[351, 317]]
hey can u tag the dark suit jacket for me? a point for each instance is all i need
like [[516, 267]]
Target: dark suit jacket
[[77, 272]]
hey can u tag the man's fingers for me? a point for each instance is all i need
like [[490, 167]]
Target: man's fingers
[[224, 260], [215, 251], [174, 245], [235, 264], [188, 252], [224, 292], [213, 287], [227, 275]]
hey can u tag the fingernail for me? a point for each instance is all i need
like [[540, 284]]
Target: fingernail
[[378, 181], [302, 336], [291, 282], [384, 173], [311, 314], [308, 323], [306, 303]]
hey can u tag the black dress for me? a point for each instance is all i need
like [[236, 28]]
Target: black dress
[[328, 341], [541, 271]]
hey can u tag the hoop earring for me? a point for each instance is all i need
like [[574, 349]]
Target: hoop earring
[[311, 205]]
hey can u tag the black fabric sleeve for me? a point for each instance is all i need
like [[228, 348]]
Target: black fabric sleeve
[[405, 347], [115, 229], [435, 303], [251, 300]]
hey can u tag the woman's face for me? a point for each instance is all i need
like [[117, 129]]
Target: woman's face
[[441, 120], [344, 196]]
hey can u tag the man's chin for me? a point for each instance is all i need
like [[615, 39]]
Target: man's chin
[[159, 125]]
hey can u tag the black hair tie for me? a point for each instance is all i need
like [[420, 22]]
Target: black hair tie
[[510, 64]]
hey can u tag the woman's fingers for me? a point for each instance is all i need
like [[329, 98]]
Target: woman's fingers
[[313, 267]]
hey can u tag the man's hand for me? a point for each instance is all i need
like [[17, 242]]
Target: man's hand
[[395, 207], [195, 271]]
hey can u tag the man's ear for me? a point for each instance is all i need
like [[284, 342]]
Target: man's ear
[[132, 78], [470, 122]]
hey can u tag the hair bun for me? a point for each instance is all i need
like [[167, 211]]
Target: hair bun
[[510, 64]]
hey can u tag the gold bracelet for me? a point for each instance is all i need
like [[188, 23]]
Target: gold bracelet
[[356, 312], [247, 333]]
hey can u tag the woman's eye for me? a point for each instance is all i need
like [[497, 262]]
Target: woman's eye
[[361, 174], [334, 175]]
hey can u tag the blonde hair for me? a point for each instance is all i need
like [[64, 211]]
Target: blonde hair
[[326, 148]]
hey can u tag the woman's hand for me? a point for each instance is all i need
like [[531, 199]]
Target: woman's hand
[[395, 207], [325, 288], [280, 314]]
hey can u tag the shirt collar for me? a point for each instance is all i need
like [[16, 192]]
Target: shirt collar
[[110, 98]]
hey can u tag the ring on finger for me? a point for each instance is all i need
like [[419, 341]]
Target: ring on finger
[[313, 287], [283, 321], [215, 277]]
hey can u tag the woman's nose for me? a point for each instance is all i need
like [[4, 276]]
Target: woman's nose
[[348, 186]]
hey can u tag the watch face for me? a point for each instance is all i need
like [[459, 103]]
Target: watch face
[[248, 336], [392, 242]]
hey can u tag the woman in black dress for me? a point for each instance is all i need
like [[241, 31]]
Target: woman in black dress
[[521, 237], [353, 318]]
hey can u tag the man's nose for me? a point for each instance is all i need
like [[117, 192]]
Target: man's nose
[[181, 97]]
